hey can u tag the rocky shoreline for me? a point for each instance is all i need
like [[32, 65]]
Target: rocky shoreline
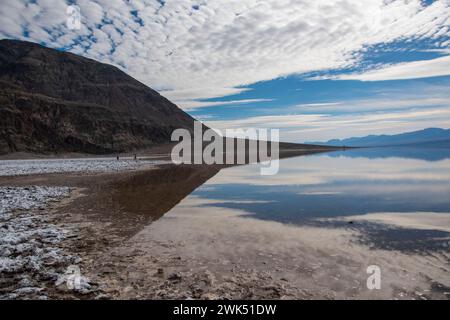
[[40, 246], [31, 256]]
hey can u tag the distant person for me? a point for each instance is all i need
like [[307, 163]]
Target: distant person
[[117, 157], [135, 156]]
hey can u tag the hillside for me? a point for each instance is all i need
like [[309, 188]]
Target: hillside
[[55, 102]]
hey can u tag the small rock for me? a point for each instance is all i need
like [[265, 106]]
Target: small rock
[[28, 290], [176, 276], [26, 282]]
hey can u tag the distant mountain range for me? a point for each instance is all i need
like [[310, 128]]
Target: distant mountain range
[[431, 137]]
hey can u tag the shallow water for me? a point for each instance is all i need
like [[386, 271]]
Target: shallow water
[[329, 189], [334, 184], [318, 224]]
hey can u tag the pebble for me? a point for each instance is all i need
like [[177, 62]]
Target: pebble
[[176, 276]]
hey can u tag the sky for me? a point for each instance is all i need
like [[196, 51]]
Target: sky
[[316, 70]]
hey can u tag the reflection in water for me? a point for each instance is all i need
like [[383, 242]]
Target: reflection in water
[[428, 154], [155, 192], [314, 189], [303, 227], [129, 202], [329, 185]]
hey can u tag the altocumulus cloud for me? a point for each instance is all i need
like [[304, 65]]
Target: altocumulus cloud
[[193, 50]]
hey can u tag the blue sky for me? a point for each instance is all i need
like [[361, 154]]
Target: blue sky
[[316, 70], [313, 93]]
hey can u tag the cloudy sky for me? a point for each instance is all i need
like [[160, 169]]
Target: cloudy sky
[[315, 69]]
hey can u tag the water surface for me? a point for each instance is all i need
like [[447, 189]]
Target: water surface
[[310, 231], [318, 188]]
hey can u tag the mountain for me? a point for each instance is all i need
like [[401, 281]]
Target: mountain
[[53, 101], [431, 137]]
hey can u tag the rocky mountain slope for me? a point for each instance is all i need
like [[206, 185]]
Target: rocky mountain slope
[[56, 102]]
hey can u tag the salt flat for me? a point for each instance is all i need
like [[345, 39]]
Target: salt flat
[[29, 251], [87, 165]]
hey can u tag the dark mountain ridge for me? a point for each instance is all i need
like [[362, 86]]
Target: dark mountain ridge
[[55, 102]]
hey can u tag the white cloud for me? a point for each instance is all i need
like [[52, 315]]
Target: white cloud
[[194, 105], [409, 70], [200, 93], [376, 104], [206, 53]]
